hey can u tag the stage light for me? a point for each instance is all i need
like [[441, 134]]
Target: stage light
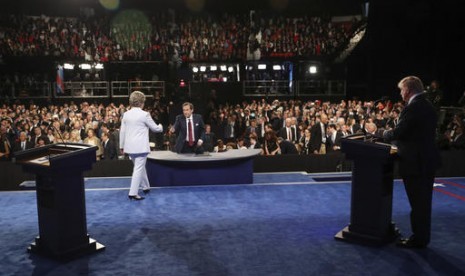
[[110, 4], [312, 69], [99, 66], [231, 69], [225, 79], [276, 67], [261, 66], [213, 68], [68, 66], [203, 68], [223, 67], [85, 66], [195, 69]]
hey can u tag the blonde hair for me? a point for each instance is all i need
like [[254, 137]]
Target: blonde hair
[[411, 83], [136, 99]]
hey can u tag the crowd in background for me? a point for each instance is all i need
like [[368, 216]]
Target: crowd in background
[[276, 127], [173, 37]]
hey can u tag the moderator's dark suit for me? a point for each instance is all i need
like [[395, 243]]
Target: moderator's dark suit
[[180, 128], [418, 157]]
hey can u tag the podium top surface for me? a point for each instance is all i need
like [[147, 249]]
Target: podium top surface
[[362, 144], [207, 157], [53, 153]]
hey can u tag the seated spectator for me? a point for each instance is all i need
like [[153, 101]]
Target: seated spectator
[[270, 146], [240, 144], [220, 146], [253, 142], [38, 133], [75, 136], [22, 143], [40, 142], [92, 140], [209, 142]]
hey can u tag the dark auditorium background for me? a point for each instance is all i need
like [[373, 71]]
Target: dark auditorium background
[[423, 37]]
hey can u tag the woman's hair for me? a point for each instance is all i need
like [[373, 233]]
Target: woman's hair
[[270, 135], [136, 99]]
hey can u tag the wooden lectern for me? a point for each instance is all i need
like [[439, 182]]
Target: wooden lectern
[[372, 184], [61, 204]]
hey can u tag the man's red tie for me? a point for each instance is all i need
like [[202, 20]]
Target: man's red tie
[[191, 134]]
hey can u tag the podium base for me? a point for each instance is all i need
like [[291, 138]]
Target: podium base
[[92, 246], [365, 239]]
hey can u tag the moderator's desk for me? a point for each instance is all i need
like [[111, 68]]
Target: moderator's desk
[[166, 168]]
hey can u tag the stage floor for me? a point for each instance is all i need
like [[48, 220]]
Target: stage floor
[[283, 224]]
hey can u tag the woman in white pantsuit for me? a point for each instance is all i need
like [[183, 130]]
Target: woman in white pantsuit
[[134, 140]]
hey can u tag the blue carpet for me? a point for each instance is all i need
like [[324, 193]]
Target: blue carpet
[[279, 229]]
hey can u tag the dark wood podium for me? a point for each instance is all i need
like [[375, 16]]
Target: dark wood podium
[[61, 204], [371, 198]]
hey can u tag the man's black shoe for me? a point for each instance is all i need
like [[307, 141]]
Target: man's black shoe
[[410, 243]]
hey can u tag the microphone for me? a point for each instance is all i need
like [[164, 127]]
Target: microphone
[[59, 134]]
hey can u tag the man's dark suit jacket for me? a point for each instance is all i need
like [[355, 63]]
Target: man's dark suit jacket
[[337, 141], [109, 150], [316, 137], [415, 138], [295, 134], [287, 147], [17, 146], [210, 141], [459, 143], [227, 130], [180, 128]]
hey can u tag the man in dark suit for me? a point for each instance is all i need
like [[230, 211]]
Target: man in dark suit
[[252, 128], [210, 139], [231, 129], [318, 136], [190, 130], [288, 132], [334, 139], [418, 156], [22, 143], [286, 147], [109, 148], [458, 140]]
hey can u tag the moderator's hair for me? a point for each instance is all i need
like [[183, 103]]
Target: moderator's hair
[[137, 99], [412, 83], [189, 104]]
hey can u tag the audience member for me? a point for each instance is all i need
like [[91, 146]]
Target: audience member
[[109, 147], [286, 147]]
